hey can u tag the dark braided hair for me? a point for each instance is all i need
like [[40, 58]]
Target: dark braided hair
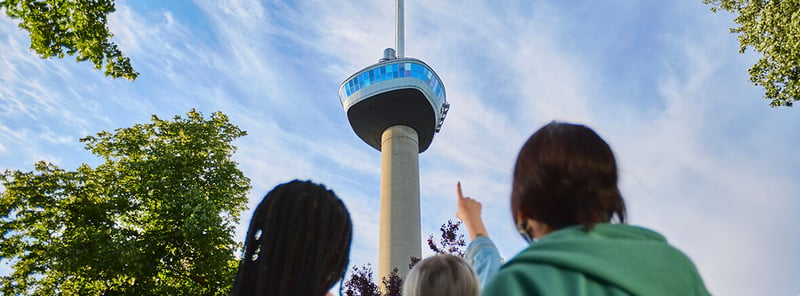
[[298, 242]]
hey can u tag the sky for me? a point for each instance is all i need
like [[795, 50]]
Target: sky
[[703, 158]]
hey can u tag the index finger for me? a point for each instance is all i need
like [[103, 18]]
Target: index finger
[[458, 189]]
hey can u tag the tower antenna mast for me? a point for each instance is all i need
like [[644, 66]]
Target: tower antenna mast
[[400, 30]]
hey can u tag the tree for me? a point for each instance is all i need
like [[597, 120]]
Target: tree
[[360, 282], [73, 27], [156, 218], [451, 242], [771, 27], [393, 284]]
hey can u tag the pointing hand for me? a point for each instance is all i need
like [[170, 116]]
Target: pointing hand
[[469, 212]]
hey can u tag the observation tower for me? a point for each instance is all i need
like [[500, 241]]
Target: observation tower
[[396, 106]]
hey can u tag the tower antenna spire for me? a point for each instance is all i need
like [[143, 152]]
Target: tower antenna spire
[[399, 28]]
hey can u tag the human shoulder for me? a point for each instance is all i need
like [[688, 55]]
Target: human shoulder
[[520, 279], [511, 281], [542, 279]]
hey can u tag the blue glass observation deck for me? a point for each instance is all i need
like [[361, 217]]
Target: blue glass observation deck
[[395, 91]]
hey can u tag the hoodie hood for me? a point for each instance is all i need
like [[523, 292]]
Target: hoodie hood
[[632, 258]]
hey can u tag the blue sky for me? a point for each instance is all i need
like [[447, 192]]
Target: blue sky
[[703, 158]]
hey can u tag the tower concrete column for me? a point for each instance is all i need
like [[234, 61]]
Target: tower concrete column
[[400, 236]]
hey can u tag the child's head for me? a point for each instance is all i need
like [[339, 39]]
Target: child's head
[[442, 275]]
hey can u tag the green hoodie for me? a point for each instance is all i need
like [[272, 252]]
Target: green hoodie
[[611, 259]]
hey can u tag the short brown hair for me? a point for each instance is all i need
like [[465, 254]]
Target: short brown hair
[[566, 175]]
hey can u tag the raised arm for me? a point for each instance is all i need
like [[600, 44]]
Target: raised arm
[[469, 212], [481, 253]]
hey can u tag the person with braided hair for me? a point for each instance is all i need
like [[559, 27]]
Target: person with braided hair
[[564, 196], [297, 244]]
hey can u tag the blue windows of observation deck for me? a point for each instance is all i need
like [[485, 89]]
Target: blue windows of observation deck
[[393, 71]]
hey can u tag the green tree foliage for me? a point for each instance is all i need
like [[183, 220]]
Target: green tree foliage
[[771, 27], [73, 27], [156, 218]]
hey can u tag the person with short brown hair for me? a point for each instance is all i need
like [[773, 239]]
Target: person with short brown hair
[[564, 197]]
